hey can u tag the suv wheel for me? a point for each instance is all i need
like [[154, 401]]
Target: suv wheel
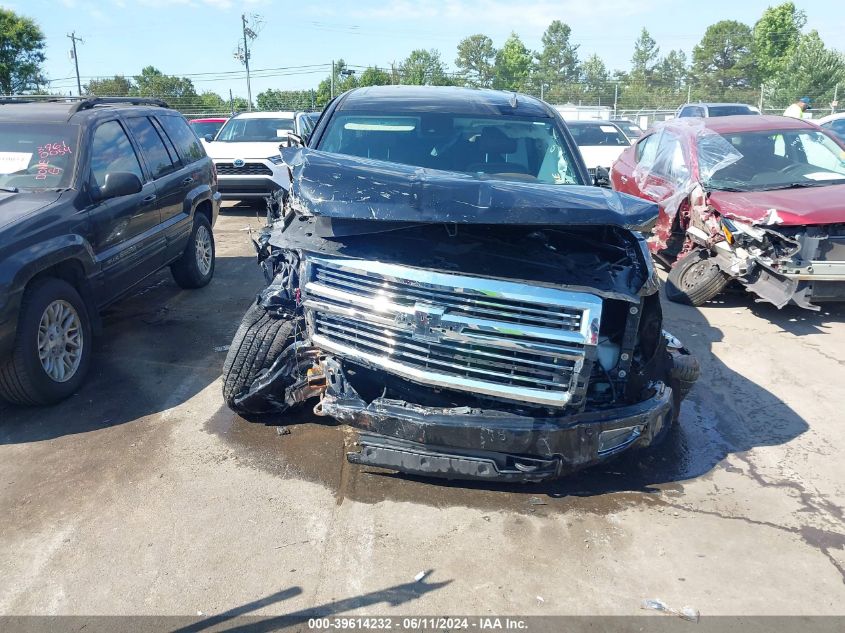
[[195, 268], [53, 346]]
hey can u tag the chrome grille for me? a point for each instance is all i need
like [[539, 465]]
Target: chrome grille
[[491, 337], [247, 169]]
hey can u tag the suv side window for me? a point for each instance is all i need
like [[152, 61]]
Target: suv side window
[[158, 158], [186, 142], [111, 151]]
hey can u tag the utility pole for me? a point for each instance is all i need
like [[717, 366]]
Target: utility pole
[[615, 98], [689, 93], [247, 31], [762, 87], [231, 102], [74, 39], [331, 93]]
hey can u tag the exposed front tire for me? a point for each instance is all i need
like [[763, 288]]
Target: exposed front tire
[[195, 268], [52, 351], [695, 279], [260, 339]]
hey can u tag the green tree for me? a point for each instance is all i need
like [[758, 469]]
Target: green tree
[[596, 77], [178, 92], [423, 68], [645, 59], [21, 53], [722, 62], [117, 86], [344, 79], [373, 76], [812, 70], [557, 63], [513, 65], [776, 36], [284, 100], [671, 73], [476, 55]]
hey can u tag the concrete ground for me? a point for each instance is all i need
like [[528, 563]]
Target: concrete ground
[[143, 494]]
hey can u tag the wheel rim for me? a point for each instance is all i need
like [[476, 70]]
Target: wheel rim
[[696, 274], [203, 250], [60, 341]]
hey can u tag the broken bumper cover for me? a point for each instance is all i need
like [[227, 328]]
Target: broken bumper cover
[[490, 445]]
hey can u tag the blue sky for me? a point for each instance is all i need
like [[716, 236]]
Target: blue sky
[[197, 38]]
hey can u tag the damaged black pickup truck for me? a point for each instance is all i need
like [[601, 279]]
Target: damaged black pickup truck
[[440, 278]]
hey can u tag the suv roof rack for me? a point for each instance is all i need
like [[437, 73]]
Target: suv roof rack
[[83, 103], [91, 102]]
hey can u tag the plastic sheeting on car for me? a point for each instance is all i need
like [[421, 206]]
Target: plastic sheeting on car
[[668, 174]]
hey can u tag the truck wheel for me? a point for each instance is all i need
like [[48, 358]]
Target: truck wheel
[[259, 340], [52, 349], [695, 279], [195, 268]]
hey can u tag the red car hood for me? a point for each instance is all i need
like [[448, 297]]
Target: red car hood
[[814, 205]]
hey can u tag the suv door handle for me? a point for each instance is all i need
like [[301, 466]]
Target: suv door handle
[[150, 198], [187, 181]]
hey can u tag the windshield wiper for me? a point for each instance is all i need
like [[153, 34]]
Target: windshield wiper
[[9, 189], [800, 185]]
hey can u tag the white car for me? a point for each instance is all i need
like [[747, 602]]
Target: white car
[[247, 157], [834, 123], [600, 142]]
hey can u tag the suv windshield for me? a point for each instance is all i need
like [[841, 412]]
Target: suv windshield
[[780, 160], [519, 148], [37, 155], [244, 130], [597, 135], [203, 128]]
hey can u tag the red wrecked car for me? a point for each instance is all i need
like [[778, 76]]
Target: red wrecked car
[[757, 199]]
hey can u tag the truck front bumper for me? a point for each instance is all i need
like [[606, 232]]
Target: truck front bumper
[[464, 443]]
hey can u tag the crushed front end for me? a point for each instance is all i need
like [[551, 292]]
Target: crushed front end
[[516, 352]]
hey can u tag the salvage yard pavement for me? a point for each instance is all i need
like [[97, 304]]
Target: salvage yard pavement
[[144, 494]]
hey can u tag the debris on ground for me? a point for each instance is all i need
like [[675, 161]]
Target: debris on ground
[[536, 501], [685, 613], [420, 576], [282, 430], [222, 348], [540, 600]]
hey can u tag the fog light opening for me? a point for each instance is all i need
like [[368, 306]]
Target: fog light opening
[[614, 439]]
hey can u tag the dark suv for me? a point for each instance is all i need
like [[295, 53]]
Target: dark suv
[[95, 196], [442, 278]]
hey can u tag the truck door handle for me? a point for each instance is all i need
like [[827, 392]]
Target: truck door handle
[[187, 181], [150, 198]]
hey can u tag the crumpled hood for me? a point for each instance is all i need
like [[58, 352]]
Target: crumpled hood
[[16, 206], [232, 151], [347, 187], [796, 207]]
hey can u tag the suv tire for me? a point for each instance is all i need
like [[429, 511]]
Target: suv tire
[[195, 268], [260, 339], [694, 280], [52, 351]]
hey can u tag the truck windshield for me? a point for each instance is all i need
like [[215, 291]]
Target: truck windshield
[[515, 148], [37, 155]]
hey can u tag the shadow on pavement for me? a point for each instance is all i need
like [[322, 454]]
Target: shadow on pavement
[[156, 350], [394, 596]]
